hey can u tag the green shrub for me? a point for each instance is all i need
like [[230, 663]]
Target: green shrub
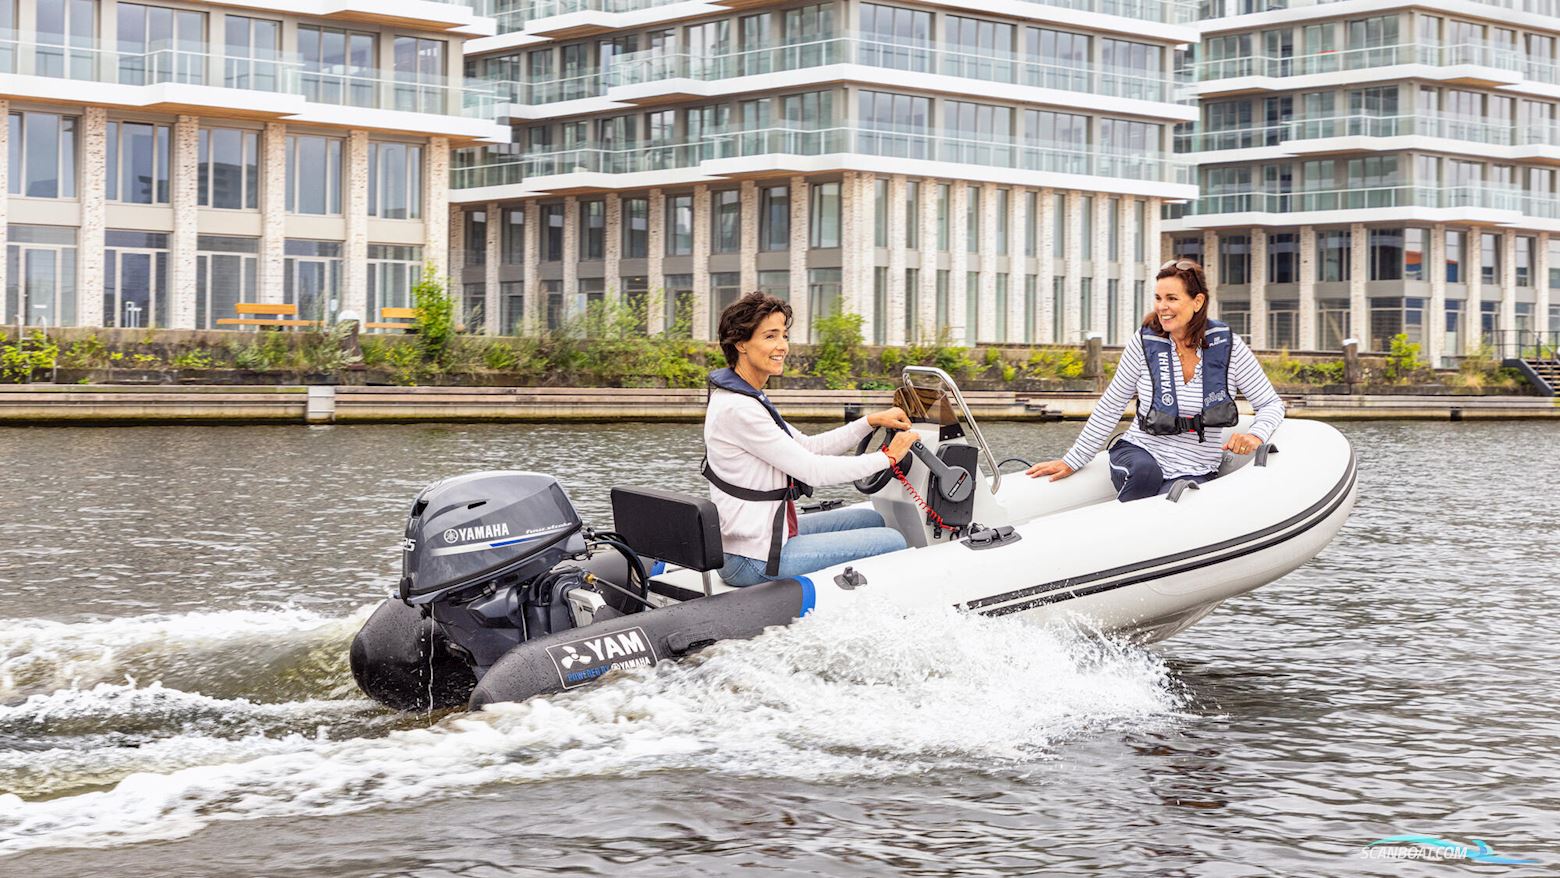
[[195, 359], [32, 353], [1054, 364], [839, 339], [435, 319], [893, 359], [269, 350], [85, 353], [1403, 360]]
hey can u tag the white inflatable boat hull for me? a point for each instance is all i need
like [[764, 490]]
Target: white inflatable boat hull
[[1143, 570]]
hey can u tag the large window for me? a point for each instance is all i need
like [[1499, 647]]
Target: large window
[[253, 53], [66, 32], [1332, 323], [896, 37], [679, 225], [313, 174], [511, 304], [972, 216], [40, 280], [229, 168], [338, 66], [726, 221], [395, 180], [137, 162], [1132, 70], [43, 155], [1283, 258], [1063, 59], [824, 291], [895, 124], [226, 270], [1284, 324], [512, 240], [912, 215], [1332, 255], [775, 283], [978, 48], [774, 218], [1455, 243], [825, 216], [135, 275], [636, 228], [551, 232], [1489, 258], [1234, 260], [1386, 254], [311, 278], [593, 229], [157, 44], [420, 75], [392, 272], [476, 238], [725, 289]]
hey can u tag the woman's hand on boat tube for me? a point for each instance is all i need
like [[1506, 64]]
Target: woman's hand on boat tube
[[1056, 469], [1242, 443], [893, 417]]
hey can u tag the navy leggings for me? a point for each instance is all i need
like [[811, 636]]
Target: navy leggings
[[1136, 474]]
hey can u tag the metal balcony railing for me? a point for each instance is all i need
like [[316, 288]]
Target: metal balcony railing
[[1482, 55], [1444, 126], [1491, 197]]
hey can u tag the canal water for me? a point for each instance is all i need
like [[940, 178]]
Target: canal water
[[176, 605]]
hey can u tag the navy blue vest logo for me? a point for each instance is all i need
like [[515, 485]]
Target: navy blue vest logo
[[1163, 416]]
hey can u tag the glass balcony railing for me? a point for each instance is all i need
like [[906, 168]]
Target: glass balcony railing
[[1361, 59], [513, 16], [653, 66], [1473, 130], [1481, 196], [551, 91], [727, 144], [276, 74], [1220, 10]]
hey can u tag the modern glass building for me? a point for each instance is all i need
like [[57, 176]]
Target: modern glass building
[[167, 161], [989, 172], [1371, 168]]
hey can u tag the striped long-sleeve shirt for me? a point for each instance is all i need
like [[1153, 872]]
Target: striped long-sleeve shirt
[[1178, 454]]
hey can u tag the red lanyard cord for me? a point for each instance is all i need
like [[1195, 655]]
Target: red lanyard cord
[[925, 507]]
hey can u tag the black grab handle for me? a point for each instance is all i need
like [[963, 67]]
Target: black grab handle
[[1262, 454]]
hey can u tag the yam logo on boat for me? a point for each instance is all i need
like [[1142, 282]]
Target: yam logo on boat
[[583, 660], [479, 532]]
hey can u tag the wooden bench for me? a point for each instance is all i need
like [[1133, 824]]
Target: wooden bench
[[395, 318], [279, 316]]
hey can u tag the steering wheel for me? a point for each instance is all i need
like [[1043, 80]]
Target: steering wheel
[[871, 444]]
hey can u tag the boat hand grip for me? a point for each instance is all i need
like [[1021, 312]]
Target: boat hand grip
[[1262, 454], [953, 482]]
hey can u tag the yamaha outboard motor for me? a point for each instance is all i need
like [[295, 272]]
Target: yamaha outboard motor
[[486, 559]]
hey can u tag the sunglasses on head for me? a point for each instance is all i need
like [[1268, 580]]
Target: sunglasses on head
[[1180, 265], [1191, 274]]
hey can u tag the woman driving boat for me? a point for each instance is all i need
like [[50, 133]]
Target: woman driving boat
[[758, 465], [1161, 447]]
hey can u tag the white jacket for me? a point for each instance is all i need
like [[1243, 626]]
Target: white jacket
[[747, 449]]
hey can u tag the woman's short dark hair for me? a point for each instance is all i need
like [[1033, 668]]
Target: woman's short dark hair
[[741, 319], [1196, 283]]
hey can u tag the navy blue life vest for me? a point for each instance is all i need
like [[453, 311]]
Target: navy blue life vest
[[728, 379], [1163, 415]]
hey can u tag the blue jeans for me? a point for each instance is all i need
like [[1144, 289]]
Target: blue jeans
[[1136, 474], [822, 539]]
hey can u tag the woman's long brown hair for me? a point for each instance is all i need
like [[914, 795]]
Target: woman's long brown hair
[[1191, 279]]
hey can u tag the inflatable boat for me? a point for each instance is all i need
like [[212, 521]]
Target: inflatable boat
[[506, 594]]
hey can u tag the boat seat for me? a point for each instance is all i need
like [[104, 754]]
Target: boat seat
[[676, 528]]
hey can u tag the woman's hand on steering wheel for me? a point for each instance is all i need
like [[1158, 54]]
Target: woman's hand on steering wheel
[[899, 446], [890, 417]]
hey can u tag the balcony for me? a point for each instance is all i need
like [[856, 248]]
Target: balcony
[[1486, 197], [652, 66], [1549, 8], [276, 86], [1441, 126], [707, 155], [534, 16], [1464, 55]]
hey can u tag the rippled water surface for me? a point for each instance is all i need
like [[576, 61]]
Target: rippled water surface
[[176, 603]]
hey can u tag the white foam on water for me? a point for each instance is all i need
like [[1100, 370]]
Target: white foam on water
[[872, 694], [38, 655]]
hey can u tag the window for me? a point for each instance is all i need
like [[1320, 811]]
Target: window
[[476, 237], [895, 124], [157, 44], [726, 221], [1140, 236], [252, 53], [1454, 256], [940, 305], [1283, 258], [1524, 254], [774, 218], [1332, 323], [43, 155], [725, 289], [1003, 199], [551, 232], [1284, 324], [1386, 254], [1031, 306], [825, 216], [1234, 260], [944, 196], [775, 283], [338, 66], [1237, 313], [895, 37], [313, 174], [1332, 255], [137, 162], [879, 305], [66, 29], [135, 275], [1058, 301], [678, 306], [912, 305], [972, 217], [1489, 259], [512, 241], [823, 296], [40, 281], [972, 307], [511, 307], [593, 229], [228, 168], [1086, 229], [395, 180], [1059, 228], [1113, 229], [636, 228], [679, 225], [1001, 334], [1031, 223], [420, 75], [1086, 304], [1414, 253], [880, 213], [912, 215], [392, 272]]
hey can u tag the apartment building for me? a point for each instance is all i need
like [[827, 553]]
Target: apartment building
[[989, 172], [1371, 167], [169, 160]]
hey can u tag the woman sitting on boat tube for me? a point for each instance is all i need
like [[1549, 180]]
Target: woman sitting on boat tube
[[1183, 369], [758, 465]]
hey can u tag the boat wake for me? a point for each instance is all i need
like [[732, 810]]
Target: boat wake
[[93, 756]]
